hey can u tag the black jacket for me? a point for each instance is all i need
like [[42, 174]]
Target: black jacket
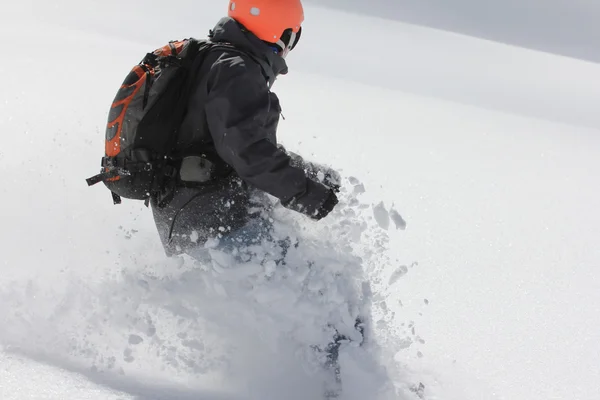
[[232, 117]]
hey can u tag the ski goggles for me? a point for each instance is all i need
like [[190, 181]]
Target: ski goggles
[[288, 41]]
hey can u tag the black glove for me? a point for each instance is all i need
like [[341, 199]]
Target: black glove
[[317, 172], [331, 179], [327, 206], [325, 175]]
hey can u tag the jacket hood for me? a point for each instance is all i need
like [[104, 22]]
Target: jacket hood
[[230, 31]]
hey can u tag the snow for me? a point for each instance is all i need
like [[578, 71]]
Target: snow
[[46, 382], [483, 155]]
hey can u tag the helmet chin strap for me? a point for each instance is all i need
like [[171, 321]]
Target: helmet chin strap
[[286, 47]]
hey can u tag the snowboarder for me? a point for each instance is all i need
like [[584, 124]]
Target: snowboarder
[[228, 137], [201, 147]]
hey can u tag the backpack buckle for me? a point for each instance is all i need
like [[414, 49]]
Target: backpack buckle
[[108, 162], [170, 171]]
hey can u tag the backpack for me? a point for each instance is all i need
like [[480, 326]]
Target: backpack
[[143, 123]]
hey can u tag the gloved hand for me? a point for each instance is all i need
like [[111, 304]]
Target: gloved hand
[[315, 171], [328, 205], [329, 177]]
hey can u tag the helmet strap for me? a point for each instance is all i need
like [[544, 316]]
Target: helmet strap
[[287, 43]]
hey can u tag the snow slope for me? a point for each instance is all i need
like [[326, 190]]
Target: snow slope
[[489, 152], [565, 27]]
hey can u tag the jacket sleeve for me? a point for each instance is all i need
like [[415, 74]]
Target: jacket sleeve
[[243, 129]]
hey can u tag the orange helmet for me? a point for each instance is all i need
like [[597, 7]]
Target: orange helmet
[[268, 19]]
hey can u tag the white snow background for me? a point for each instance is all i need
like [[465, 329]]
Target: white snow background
[[489, 153]]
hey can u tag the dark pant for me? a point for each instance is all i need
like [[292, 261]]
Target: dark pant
[[196, 214]]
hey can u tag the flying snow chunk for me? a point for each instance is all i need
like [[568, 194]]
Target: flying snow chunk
[[135, 339], [359, 188], [397, 274], [381, 216], [398, 220]]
